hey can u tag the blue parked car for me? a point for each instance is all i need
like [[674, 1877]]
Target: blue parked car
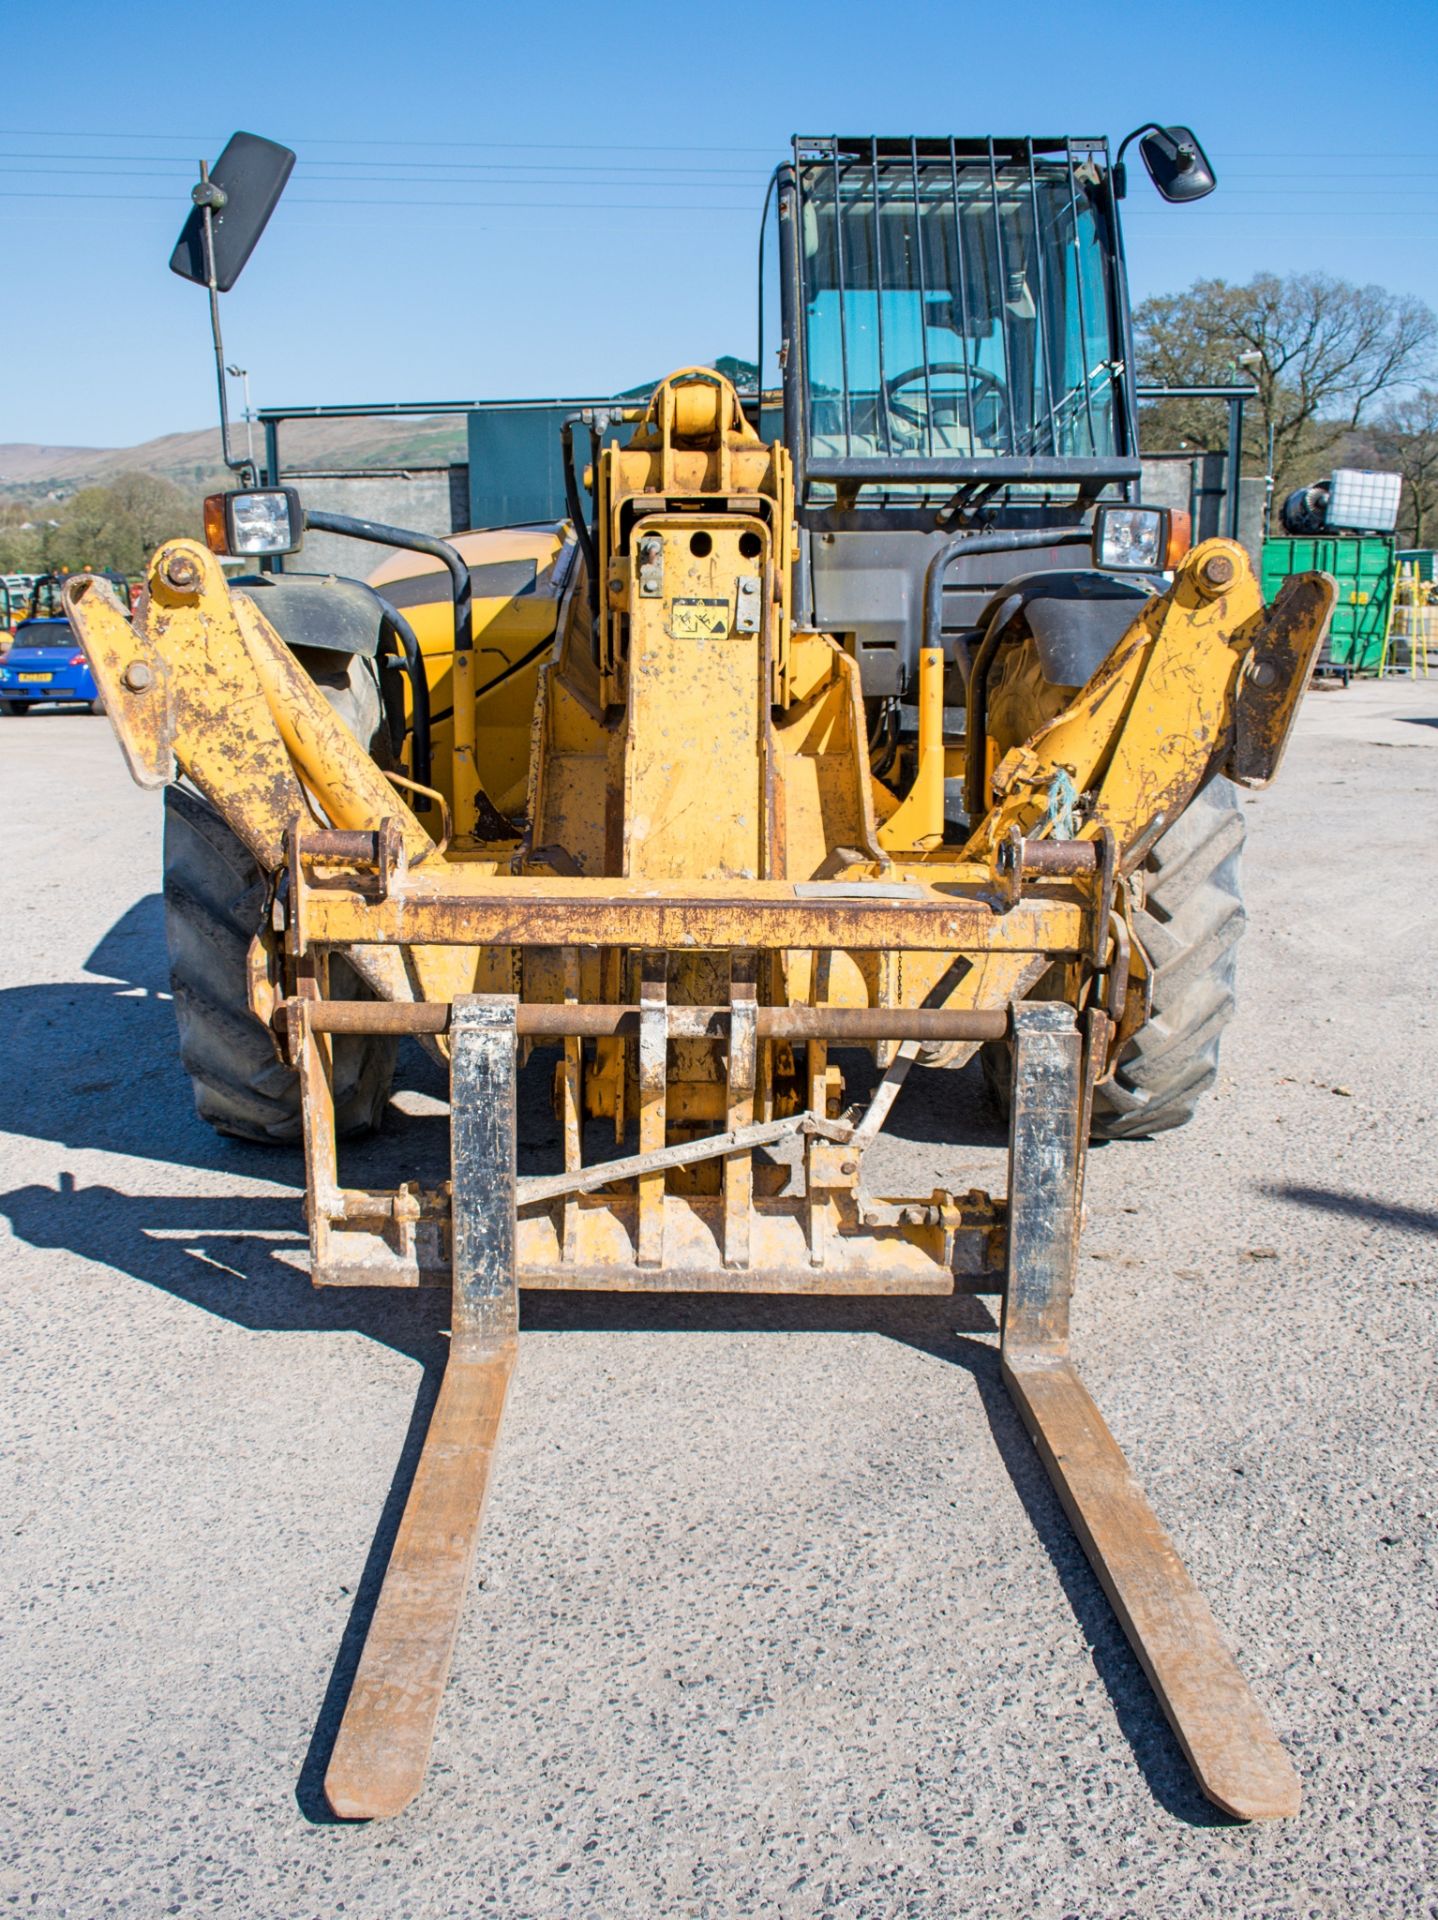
[[44, 665]]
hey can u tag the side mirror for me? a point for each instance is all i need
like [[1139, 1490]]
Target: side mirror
[[1177, 164], [242, 191]]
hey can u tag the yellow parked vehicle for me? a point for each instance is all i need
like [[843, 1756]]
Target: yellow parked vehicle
[[908, 728]]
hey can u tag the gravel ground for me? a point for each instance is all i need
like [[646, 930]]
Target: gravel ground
[[775, 1613]]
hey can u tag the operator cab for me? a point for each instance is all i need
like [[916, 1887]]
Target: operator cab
[[953, 335], [957, 311]]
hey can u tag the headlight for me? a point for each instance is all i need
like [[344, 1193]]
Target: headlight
[[1131, 537], [266, 521]]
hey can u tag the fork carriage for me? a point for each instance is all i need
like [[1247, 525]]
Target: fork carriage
[[692, 1215]]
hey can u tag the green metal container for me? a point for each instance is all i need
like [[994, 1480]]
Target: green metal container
[[1363, 566]]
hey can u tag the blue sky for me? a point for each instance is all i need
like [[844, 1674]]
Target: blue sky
[[437, 241]]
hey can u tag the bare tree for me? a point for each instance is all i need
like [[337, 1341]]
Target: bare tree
[[120, 525], [1404, 439], [1319, 350]]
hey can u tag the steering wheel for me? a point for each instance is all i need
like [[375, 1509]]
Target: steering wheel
[[979, 378]]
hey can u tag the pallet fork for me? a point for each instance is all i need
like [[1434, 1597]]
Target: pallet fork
[[382, 1750]]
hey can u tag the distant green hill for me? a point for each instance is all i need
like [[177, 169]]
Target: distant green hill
[[192, 460], [33, 471]]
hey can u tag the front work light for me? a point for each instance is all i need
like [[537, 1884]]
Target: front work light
[[258, 522], [1131, 538]]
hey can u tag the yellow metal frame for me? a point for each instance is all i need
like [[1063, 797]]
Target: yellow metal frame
[[792, 855]]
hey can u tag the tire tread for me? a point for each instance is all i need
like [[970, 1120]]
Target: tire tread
[[214, 898]]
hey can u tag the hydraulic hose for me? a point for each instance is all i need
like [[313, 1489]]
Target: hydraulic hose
[[468, 786], [583, 532], [421, 761], [958, 547], [976, 711], [1000, 540]]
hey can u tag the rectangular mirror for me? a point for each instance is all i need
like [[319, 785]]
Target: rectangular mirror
[[251, 173], [1177, 164]]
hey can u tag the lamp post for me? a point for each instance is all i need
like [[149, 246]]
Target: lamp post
[[243, 374], [1253, 360]]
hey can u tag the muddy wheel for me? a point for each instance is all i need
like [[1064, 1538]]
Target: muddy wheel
[[214, 896], [1190, 925]]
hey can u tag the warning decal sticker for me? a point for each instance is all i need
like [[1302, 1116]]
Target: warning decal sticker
[[700, 619]]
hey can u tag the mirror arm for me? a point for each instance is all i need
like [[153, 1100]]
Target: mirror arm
[[207, 197], [1120, 171]]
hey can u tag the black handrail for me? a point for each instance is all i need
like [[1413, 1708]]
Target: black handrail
[[422, 758], [404, 538], [1001, 540], [383, 536]]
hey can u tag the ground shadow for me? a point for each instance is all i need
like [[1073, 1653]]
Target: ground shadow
[[1141, 1720], [94, 1064], [242, 1257], [940, 1106], [1359, 1206], [310, 1785]]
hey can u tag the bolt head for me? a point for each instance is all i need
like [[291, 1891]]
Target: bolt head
[[1217, 570], [181, 571], [137, 676]]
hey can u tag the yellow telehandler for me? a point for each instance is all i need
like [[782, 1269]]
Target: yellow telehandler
[[896, 723]]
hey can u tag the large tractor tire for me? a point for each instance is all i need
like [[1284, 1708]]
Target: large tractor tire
[[1190, 924], [214, 897]]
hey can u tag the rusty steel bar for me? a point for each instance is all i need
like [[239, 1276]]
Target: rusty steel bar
[[486, 911], [1060, 857], [382, 1748], [685, 1153], [563, 1019], [350, 844]]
